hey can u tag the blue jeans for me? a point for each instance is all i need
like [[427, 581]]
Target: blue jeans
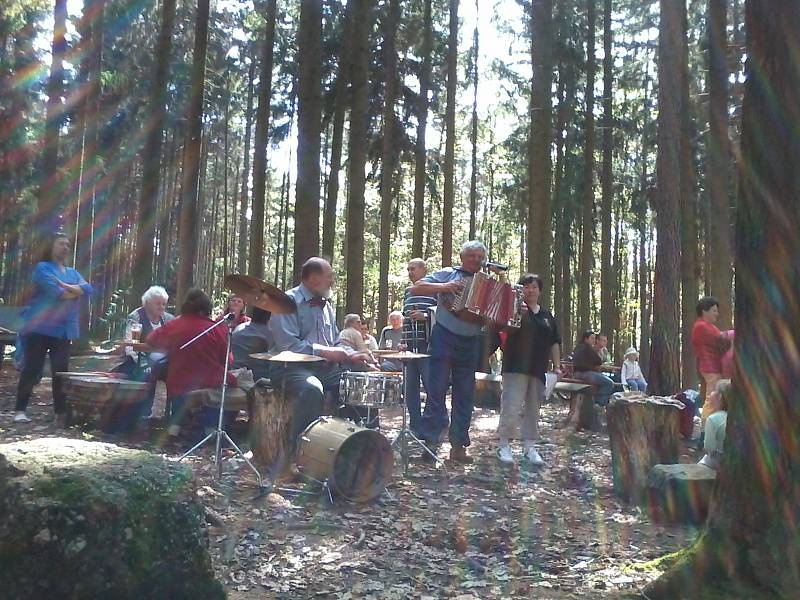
[[637, 385], [416, 370], [605, 387], [453, 356]]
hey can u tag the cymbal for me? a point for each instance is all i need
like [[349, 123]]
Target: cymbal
[[405, 356], [286, 356], [260, 293]]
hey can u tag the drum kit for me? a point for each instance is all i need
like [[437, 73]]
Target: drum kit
[[344, 456]]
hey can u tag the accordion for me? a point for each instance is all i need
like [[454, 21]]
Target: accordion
[[486, 300]]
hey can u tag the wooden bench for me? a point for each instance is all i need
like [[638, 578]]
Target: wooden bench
[[580, 396]]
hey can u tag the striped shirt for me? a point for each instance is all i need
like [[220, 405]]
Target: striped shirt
[[415, 333]]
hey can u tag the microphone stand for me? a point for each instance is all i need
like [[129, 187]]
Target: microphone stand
[[220, 433]]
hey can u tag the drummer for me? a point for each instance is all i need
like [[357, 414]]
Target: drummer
[[311, 330]]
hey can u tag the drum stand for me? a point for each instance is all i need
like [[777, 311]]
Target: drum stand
[[403, 436], [220, 433]]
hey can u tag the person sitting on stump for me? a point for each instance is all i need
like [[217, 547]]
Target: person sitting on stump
[[716, 423], [588, 367]]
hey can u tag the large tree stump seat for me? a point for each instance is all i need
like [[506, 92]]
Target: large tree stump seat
[[580, 396], [488, 390], [271, 437], [644, 431], [680, 493], [90, 394]]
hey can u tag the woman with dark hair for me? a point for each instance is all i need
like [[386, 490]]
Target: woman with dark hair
[[528, 352], [236, 307], [51, 323], [710, 345], [201, 364], [588, 367]]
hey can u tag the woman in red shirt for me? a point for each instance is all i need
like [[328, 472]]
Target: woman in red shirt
[[710, 344], [236, 306], [201, 364]]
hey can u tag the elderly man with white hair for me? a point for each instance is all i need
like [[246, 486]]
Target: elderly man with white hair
[[455, 350], [392, 339]]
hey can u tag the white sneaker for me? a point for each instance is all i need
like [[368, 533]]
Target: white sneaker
[[505, 455], [533, 457], [21, 417]]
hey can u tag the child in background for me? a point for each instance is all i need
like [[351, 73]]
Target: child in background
[[716, 423], [632, 372]]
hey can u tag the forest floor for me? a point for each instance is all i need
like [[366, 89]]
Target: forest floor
[[483, 532]]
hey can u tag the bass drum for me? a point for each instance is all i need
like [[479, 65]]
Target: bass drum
[[357, 462]]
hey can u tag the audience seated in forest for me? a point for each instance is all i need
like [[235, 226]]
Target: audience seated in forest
[[716, 423], [236, 306], [372, 343], [351, 336], [392, 338], [588, 367], [601, 345]]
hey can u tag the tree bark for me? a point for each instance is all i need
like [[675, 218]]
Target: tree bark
[[192, 156], [357, 153], [665, 344], [719, 156], [607, 306], [586, 258], [388, 160], [450, 132], [750, 546], [420, 153], [151, 159], [540, 142], [473, 180], [309, 129], [257, 249]]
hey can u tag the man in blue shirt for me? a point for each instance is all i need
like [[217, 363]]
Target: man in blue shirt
[[454, 349], [51, 323], [310, 330]]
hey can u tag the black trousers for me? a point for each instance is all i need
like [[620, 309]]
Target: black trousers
[[37, 346]]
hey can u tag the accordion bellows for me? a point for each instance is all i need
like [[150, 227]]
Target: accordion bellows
[[488, 300]]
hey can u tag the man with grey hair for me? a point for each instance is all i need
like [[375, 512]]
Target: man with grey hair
[[454, 347], [392, 338]]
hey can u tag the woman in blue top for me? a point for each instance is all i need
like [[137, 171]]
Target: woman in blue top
[[51, 322]]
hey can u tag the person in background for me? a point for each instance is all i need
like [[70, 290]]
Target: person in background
[[251, 338], [416, 325], [709, 346], [528, 351], [200, 365], [632, 372], [392, 339], [372, 343], [588, 367], [51, 324], [716, 424], [351, 336], [236, 307], [601, 345]]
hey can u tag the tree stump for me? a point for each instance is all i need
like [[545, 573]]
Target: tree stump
[[270, 428], [488, 390], [644, 432], [680, 493]]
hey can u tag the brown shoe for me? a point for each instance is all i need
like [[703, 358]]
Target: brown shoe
[[459, 454]]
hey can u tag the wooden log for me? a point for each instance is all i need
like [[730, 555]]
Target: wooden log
[[581, 404], [270, 428], [680, 493], [488, 389], [644, 432]]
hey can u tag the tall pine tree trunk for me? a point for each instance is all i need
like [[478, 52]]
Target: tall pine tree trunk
[[245, 190], [719, 156], [750, 546], [540, 141], [357, 153], [473, 180], [151, 159], [450, 132], [388, 160], [607, 308], [587, 213], [665, 346], [309, 129], [420, 153], [187, 235], [257, 249]]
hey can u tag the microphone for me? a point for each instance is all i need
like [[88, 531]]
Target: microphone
[[495, 265]]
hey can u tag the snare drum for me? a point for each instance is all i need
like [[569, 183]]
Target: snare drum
[[375, 388]]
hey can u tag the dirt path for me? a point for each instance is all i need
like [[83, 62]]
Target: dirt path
[[484, 532]]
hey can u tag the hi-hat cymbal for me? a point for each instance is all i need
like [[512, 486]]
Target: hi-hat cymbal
[[260, 293], [286, 356], [404, 356]]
